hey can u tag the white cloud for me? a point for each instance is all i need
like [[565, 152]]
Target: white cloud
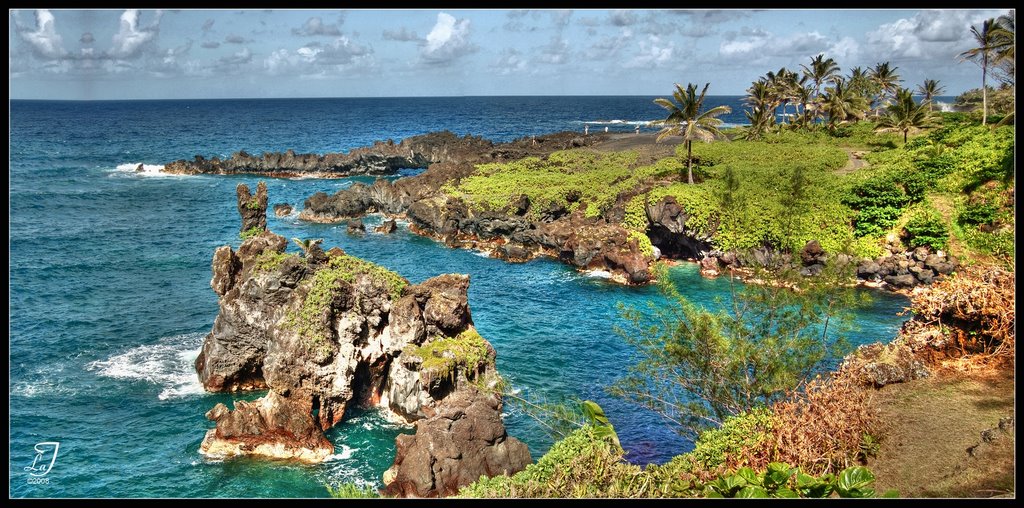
[[510, 61], [555, 52], [316, 26], [402, 35], [238, 58], [44, 41], [322, 60], [447, 41], [131, 40], [927, 35], [653, 53]]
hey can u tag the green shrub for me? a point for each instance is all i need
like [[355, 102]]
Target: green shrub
[[927, 228], [251, 232], [443, 356], [352, 491], [269, 260]]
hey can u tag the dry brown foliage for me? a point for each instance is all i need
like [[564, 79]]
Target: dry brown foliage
[[975, 309], [820, 428]]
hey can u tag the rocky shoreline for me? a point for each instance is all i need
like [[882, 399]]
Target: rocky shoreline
[[326, 331], [597, 244]]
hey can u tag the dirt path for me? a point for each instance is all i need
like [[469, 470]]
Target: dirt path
[[855, 161], [930, 426]]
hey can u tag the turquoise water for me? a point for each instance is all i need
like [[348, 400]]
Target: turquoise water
[[110, 296]]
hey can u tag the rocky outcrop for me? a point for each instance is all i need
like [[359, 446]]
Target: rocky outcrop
[[325, 331], [382, 158], [387, 227], [282, 209], [586, 243], [464, 438], [253, 209]]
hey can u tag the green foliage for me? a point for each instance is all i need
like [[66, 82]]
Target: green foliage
[[564, 180], [763, 208], [253, 204], [350, 266], [927, 228], [977, 213], [602, 427], [583, 464], [269, 260], [352, 491], [780, 480], [643, 242], [443, 356], [714, 446], [869, 447], [699, 366], [311, 319], [249, 233]]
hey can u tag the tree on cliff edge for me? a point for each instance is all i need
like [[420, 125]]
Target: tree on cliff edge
[[686, 119]]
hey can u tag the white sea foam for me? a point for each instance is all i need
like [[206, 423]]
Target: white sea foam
[[601, 274], [147, 169], [641, 123], [169, 364], [346, 453]]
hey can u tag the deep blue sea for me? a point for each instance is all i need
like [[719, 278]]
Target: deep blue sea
[[110, 296]]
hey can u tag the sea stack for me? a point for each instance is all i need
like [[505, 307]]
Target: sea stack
[[324, 334]]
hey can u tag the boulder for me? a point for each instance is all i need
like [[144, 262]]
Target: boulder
[[282, 209], [387, 227], [355, 226], [463, 441], [879, 365], [812, 253]]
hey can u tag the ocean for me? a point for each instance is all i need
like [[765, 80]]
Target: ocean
[[110, 296]]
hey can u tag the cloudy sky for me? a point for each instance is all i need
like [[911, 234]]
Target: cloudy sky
[[152, 54]]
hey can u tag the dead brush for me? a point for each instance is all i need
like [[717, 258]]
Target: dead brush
[[820, 428], [975, 309]]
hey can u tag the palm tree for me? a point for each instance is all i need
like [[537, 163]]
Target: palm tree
[[886, 82], [930, 89], [842, 101], [905, 115], [1004, 35], [821, 71], [783, 86], [984, 55], [307, 244], [686, 119]]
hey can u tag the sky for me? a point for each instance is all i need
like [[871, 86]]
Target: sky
[[183, 54]]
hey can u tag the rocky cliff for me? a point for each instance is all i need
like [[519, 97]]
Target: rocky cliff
[[324, 331]]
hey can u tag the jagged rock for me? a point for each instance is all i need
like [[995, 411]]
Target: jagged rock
[[879, 365], [282, 209], [387, 227], [464, 440], [273, 426], [355, 226], [709, 266], [253, 209], [226, 266], [445, 303], [140, 168], [812, 253]]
